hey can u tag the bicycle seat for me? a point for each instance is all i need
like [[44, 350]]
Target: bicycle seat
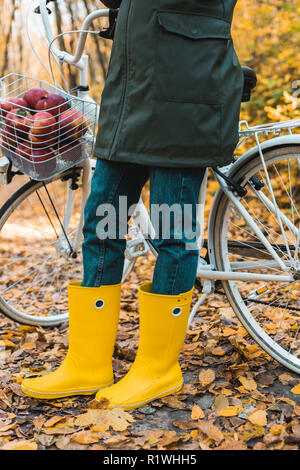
[[250, 81]]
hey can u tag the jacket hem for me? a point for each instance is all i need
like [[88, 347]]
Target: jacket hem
[[163, 161]]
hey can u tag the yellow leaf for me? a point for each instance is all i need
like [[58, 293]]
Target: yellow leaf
[[231, 411], [296, 389], [250, 431], [28, 346], [285, 378], [20, 445], [84, 437], [226, 392], [241, 332], [242, 389], [218, 351], [197, 413], [276, 429], [228, 331], [54, 420], [8, 344], [102, 420], [232, 445], [258, 418], [206, 377], [249, 384]]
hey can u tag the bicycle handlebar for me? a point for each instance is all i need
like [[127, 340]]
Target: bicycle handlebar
[[63, 55]]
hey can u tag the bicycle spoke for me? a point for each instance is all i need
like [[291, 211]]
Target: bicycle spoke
[[34, 272]]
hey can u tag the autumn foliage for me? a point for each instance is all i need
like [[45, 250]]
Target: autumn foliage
[[235, 397]]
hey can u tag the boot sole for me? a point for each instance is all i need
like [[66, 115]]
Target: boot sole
[[171, 391], [51, 396]]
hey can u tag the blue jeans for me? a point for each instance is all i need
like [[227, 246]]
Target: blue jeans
[[103, 256]]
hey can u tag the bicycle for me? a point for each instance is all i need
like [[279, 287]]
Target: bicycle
[[253, 239]]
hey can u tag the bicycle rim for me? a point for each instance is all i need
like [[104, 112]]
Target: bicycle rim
[[269, 310]]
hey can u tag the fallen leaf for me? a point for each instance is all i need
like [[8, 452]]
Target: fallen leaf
[[249, 384], [206, 377], [285, 378], [44, 439], [8, 344], [231, 411], [53, 421], [28, 346], [228, 331], [276, 429], [185, 425], [296, 389], [102, 420], [226, 392], [84, 437], [173, 402], [232, 445], [20, 445], [258, 417], [116, 441], [197, 412], [218, 351], [250, 431], [220, 402], [211, 431]]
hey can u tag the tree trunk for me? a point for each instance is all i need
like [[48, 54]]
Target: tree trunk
[[8, 39]]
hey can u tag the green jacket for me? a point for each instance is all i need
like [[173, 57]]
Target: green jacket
[[174, 85]]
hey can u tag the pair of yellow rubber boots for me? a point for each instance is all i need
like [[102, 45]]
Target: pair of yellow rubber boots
[[93, 323]]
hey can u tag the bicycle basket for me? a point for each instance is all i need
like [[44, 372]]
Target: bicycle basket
[[44, 130]]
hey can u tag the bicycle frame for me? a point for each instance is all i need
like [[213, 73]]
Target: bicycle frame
[[79, 60], [143, 224]]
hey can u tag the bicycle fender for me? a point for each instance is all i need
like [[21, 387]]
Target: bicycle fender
[[282, 141]]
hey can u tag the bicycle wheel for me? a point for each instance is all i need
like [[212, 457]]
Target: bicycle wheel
[[36, 257], [269, 310]]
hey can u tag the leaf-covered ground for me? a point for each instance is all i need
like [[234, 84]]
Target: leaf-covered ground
[[235, 397]]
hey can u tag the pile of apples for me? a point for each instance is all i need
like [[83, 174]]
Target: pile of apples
[[39, 125]]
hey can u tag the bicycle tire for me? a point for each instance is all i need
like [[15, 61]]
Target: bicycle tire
[[256, 322]]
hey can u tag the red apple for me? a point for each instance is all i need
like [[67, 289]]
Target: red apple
[[71, 152], [44, 125], [7, 105], [72, 124], [44, 162], [19, 119], [42, 141], [33, 95], [9, 138], [53, 103], [24, 151]]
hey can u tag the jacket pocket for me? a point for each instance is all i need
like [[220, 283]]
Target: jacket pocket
[[192, 57]]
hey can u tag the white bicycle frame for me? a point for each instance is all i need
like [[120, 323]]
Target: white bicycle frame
[[143, 226]]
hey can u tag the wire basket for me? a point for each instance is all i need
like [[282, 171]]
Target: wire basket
[[44, 130]]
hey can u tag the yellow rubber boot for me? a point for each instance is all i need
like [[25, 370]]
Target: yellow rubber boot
[[87, 367], [155, 372]]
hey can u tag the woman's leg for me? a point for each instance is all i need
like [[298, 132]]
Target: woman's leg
[[174, 196], [94, 310], [165, 304], [103, 253]]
